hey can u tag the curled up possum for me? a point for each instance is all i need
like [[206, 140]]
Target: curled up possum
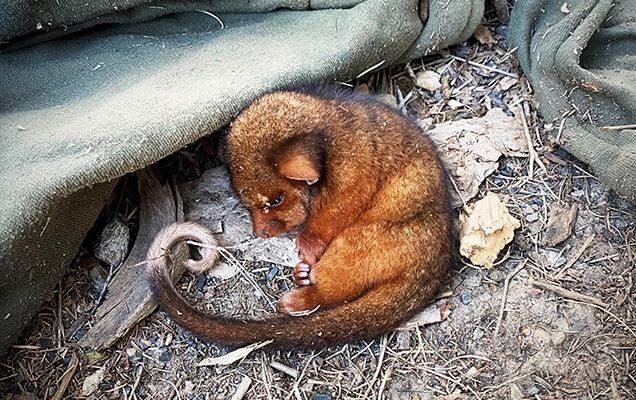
[[366, 190]]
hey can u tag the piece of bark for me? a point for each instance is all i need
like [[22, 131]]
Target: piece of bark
[[130, 295], [560, 224]]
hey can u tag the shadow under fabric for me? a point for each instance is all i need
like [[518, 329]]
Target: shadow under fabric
[[581, 60], [91, 92]]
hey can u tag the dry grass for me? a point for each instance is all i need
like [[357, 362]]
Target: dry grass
[[544, 324]]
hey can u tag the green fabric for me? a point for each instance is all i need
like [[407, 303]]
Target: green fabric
[[581, 62], [80, 111]]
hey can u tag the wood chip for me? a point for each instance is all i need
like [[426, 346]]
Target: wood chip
[[570, 294], [560, 225]]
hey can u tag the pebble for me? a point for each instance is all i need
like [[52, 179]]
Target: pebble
[[505, 168], [532, 390], [513, 189], [200, 282], [168, 339], [80, 334], [538, 201], [51, 355], [465, 297], [144, 344], [321, 396], [497, 181], [164, 357], [272, 273], [620, 222], [532, 217], [478, 333]]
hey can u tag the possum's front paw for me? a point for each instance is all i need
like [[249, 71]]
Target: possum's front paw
[[310, 247], [295, 300], [301, 274]]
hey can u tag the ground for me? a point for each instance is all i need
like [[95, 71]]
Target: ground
[[547, 342]]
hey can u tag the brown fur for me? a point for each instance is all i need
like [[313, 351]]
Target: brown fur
[[368, 190]]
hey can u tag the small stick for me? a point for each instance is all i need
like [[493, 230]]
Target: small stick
[[505, 294], [366, 71], [558, 137], [60, 329], [613, 316], [174, 387], [561, 273], [132, 391], [66, 378], [387, 375], [455, 381], [487, 68], [617, 127], [242, 388], [284, 368], [570, 294], [379, 366], [532, 153]]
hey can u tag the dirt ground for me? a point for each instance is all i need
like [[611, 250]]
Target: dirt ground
[[547, 322]]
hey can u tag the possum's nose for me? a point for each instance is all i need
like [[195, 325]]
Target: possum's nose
[[261, 233]]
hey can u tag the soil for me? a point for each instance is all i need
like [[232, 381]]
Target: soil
[[547, 342]]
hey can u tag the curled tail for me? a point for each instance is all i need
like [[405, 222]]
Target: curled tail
[[378, 311]]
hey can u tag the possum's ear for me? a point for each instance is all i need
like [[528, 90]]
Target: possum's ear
[[299, 167], [300, 157]]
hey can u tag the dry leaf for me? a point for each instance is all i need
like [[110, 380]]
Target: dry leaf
[[486, 228], [470, 148], [560, 224], [483, 35], [507, 82], [232, 356]]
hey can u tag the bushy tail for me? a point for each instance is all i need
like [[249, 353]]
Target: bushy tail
[[378, 311]]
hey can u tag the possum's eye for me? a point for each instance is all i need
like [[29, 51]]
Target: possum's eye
[[276, 202]]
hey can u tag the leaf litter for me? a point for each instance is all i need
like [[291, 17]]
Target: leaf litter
[[550, 320]]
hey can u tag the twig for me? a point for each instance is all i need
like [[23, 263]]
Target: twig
[[387, 375], [242, 388], [570, 263], [383, 343], [487, 68], [532, 153], [617, 127], [612, 315], [366, 71], [174, 387], [132, 391], [489, 388], [266, 378], [570, 294], [60, 328], [455, 381], [232, 260], [111, 274], [505, 294], [558, 137], [66, 378], [284, 368]]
